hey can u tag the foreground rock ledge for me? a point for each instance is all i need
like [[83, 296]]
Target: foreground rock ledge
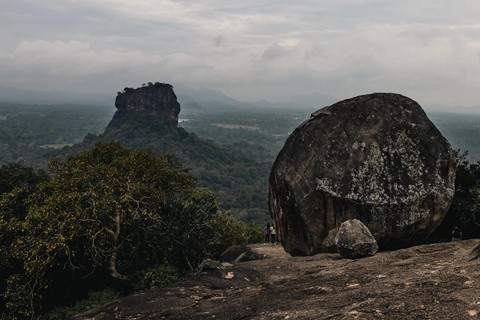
[[376, 158], [438, 281]]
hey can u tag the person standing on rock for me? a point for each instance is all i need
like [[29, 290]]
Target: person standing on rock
[[268, 232], [273, 234], [456, 234]]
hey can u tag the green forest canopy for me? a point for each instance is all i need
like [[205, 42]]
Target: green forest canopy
[[104, 217]]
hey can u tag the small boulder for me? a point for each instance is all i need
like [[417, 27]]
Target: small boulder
[[354, 240], [249, 255], [236, 254], [231, 254], [209, 264]]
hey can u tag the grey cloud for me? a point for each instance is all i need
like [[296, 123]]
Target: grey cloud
[[335, 47], [315, 51], [218, 41], [274, 52]]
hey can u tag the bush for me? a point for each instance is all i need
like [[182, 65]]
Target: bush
[[229, 231], [109, 211], [94, 300], [464, 210], [157, 277]]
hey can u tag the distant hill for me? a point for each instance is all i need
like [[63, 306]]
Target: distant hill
[[317, 100], [189, 97], [8, 94], [205, 97], [214, 99], [447, 109]]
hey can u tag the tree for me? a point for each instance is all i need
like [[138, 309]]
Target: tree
[[229, 231], [18, 176], [465, 208], [111, 208], [466, 203], [17, 184]]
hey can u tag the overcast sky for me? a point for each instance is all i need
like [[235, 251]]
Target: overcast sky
[[428, 50]]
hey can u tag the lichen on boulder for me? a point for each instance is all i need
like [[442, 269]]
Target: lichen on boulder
[[376, 158]]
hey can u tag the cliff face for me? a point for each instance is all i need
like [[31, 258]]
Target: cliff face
[[155, 100]]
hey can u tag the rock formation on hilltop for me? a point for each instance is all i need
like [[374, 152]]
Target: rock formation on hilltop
[[147, 117], [376, 158], [155, 99]]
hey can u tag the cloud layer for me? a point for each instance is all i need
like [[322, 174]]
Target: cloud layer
[[429, 50]]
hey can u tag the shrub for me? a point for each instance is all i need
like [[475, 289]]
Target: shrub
[[110, 210], [157, 277], [94, 300], [229, 231]]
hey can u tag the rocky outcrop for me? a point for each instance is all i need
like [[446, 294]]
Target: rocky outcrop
[[155, 99], [354, 240], [376, 158]]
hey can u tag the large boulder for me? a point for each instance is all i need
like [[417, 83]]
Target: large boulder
[[376, 158], [354, 240]]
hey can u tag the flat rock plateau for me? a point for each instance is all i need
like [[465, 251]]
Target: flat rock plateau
[[432, 281]]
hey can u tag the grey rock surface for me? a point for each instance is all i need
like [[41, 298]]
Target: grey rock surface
[[354, 240], [435, 281], [376, 158]]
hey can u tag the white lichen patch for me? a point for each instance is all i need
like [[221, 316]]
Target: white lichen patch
[[383, 177]]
